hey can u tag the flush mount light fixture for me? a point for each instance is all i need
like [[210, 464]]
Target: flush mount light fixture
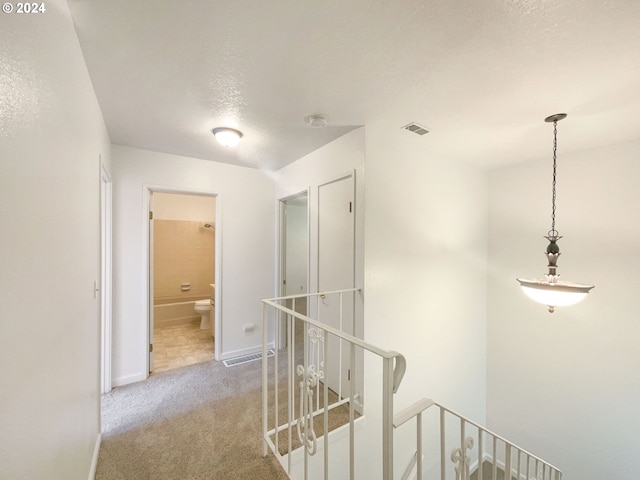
[[229, 137], [553, 292]]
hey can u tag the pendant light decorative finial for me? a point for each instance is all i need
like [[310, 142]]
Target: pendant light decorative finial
[[551, 291]]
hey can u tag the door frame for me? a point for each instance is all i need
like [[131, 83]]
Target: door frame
[[148, 191], [281, 342], [106, 250]]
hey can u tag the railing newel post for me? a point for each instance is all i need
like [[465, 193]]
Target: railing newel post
[[480, 453], [387, 418]]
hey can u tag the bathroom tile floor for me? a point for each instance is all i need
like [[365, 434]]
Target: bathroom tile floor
[[181, 345]]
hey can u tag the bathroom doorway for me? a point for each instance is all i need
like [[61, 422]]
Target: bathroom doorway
[[182, 266]]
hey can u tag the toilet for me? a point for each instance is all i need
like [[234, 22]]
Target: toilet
[[203, 307]]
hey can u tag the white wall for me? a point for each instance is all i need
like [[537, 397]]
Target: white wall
[[425, 264], [175, 206], [245, 228], [566, 385], [51, 136]]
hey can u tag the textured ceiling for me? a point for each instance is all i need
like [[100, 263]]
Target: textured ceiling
[[482, 74]]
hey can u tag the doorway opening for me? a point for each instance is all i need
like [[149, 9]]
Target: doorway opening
[[294, 254], [182, 278]]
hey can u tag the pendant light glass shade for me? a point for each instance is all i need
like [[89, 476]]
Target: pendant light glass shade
[[559, 294], [553, 292]]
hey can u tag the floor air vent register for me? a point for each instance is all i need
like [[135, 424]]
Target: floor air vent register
[[232, 362]]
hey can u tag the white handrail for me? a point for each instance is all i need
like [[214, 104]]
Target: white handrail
[[335, 331], [312, 294], [400, 366], [416, 410]]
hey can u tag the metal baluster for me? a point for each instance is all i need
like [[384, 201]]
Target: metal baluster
[[480, 453], [326, 411], [507, 460], [443, 475], [463, 451], [290, 386], [275, 378], [419, 444], [495, 461], [303, 398], [352, 432], [340, 352], [265, 380]]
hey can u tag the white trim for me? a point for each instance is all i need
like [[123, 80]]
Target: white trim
[[106, 276], [244, 351], [94, 458], [150, 279], [126, 380]]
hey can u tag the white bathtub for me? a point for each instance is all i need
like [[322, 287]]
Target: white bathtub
[[175, 311]]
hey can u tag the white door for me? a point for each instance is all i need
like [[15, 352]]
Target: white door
[[336, 255]]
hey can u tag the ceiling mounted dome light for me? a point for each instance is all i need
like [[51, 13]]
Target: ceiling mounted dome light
[[553, 292], [317, 120], [229, 137]]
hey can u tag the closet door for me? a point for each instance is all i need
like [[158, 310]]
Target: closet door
[[336, 254]]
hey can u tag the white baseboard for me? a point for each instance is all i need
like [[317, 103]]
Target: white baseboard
[[118, 382], [94, 459], [243, 351]]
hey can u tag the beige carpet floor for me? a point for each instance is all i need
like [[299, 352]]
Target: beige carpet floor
[[198, 422], [201, 421]]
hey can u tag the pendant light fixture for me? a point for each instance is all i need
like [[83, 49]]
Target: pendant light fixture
[[552, 292], [228, 137]]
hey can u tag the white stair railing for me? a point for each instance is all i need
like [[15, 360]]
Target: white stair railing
[[469, 446], [302, 385], [308, 382]]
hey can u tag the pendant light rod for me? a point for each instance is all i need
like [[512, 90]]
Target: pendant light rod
[[555, 119]]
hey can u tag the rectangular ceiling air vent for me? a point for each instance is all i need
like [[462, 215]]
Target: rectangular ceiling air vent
[[416, 128]]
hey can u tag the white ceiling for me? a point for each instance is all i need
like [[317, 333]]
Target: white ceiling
[[482, 74]]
